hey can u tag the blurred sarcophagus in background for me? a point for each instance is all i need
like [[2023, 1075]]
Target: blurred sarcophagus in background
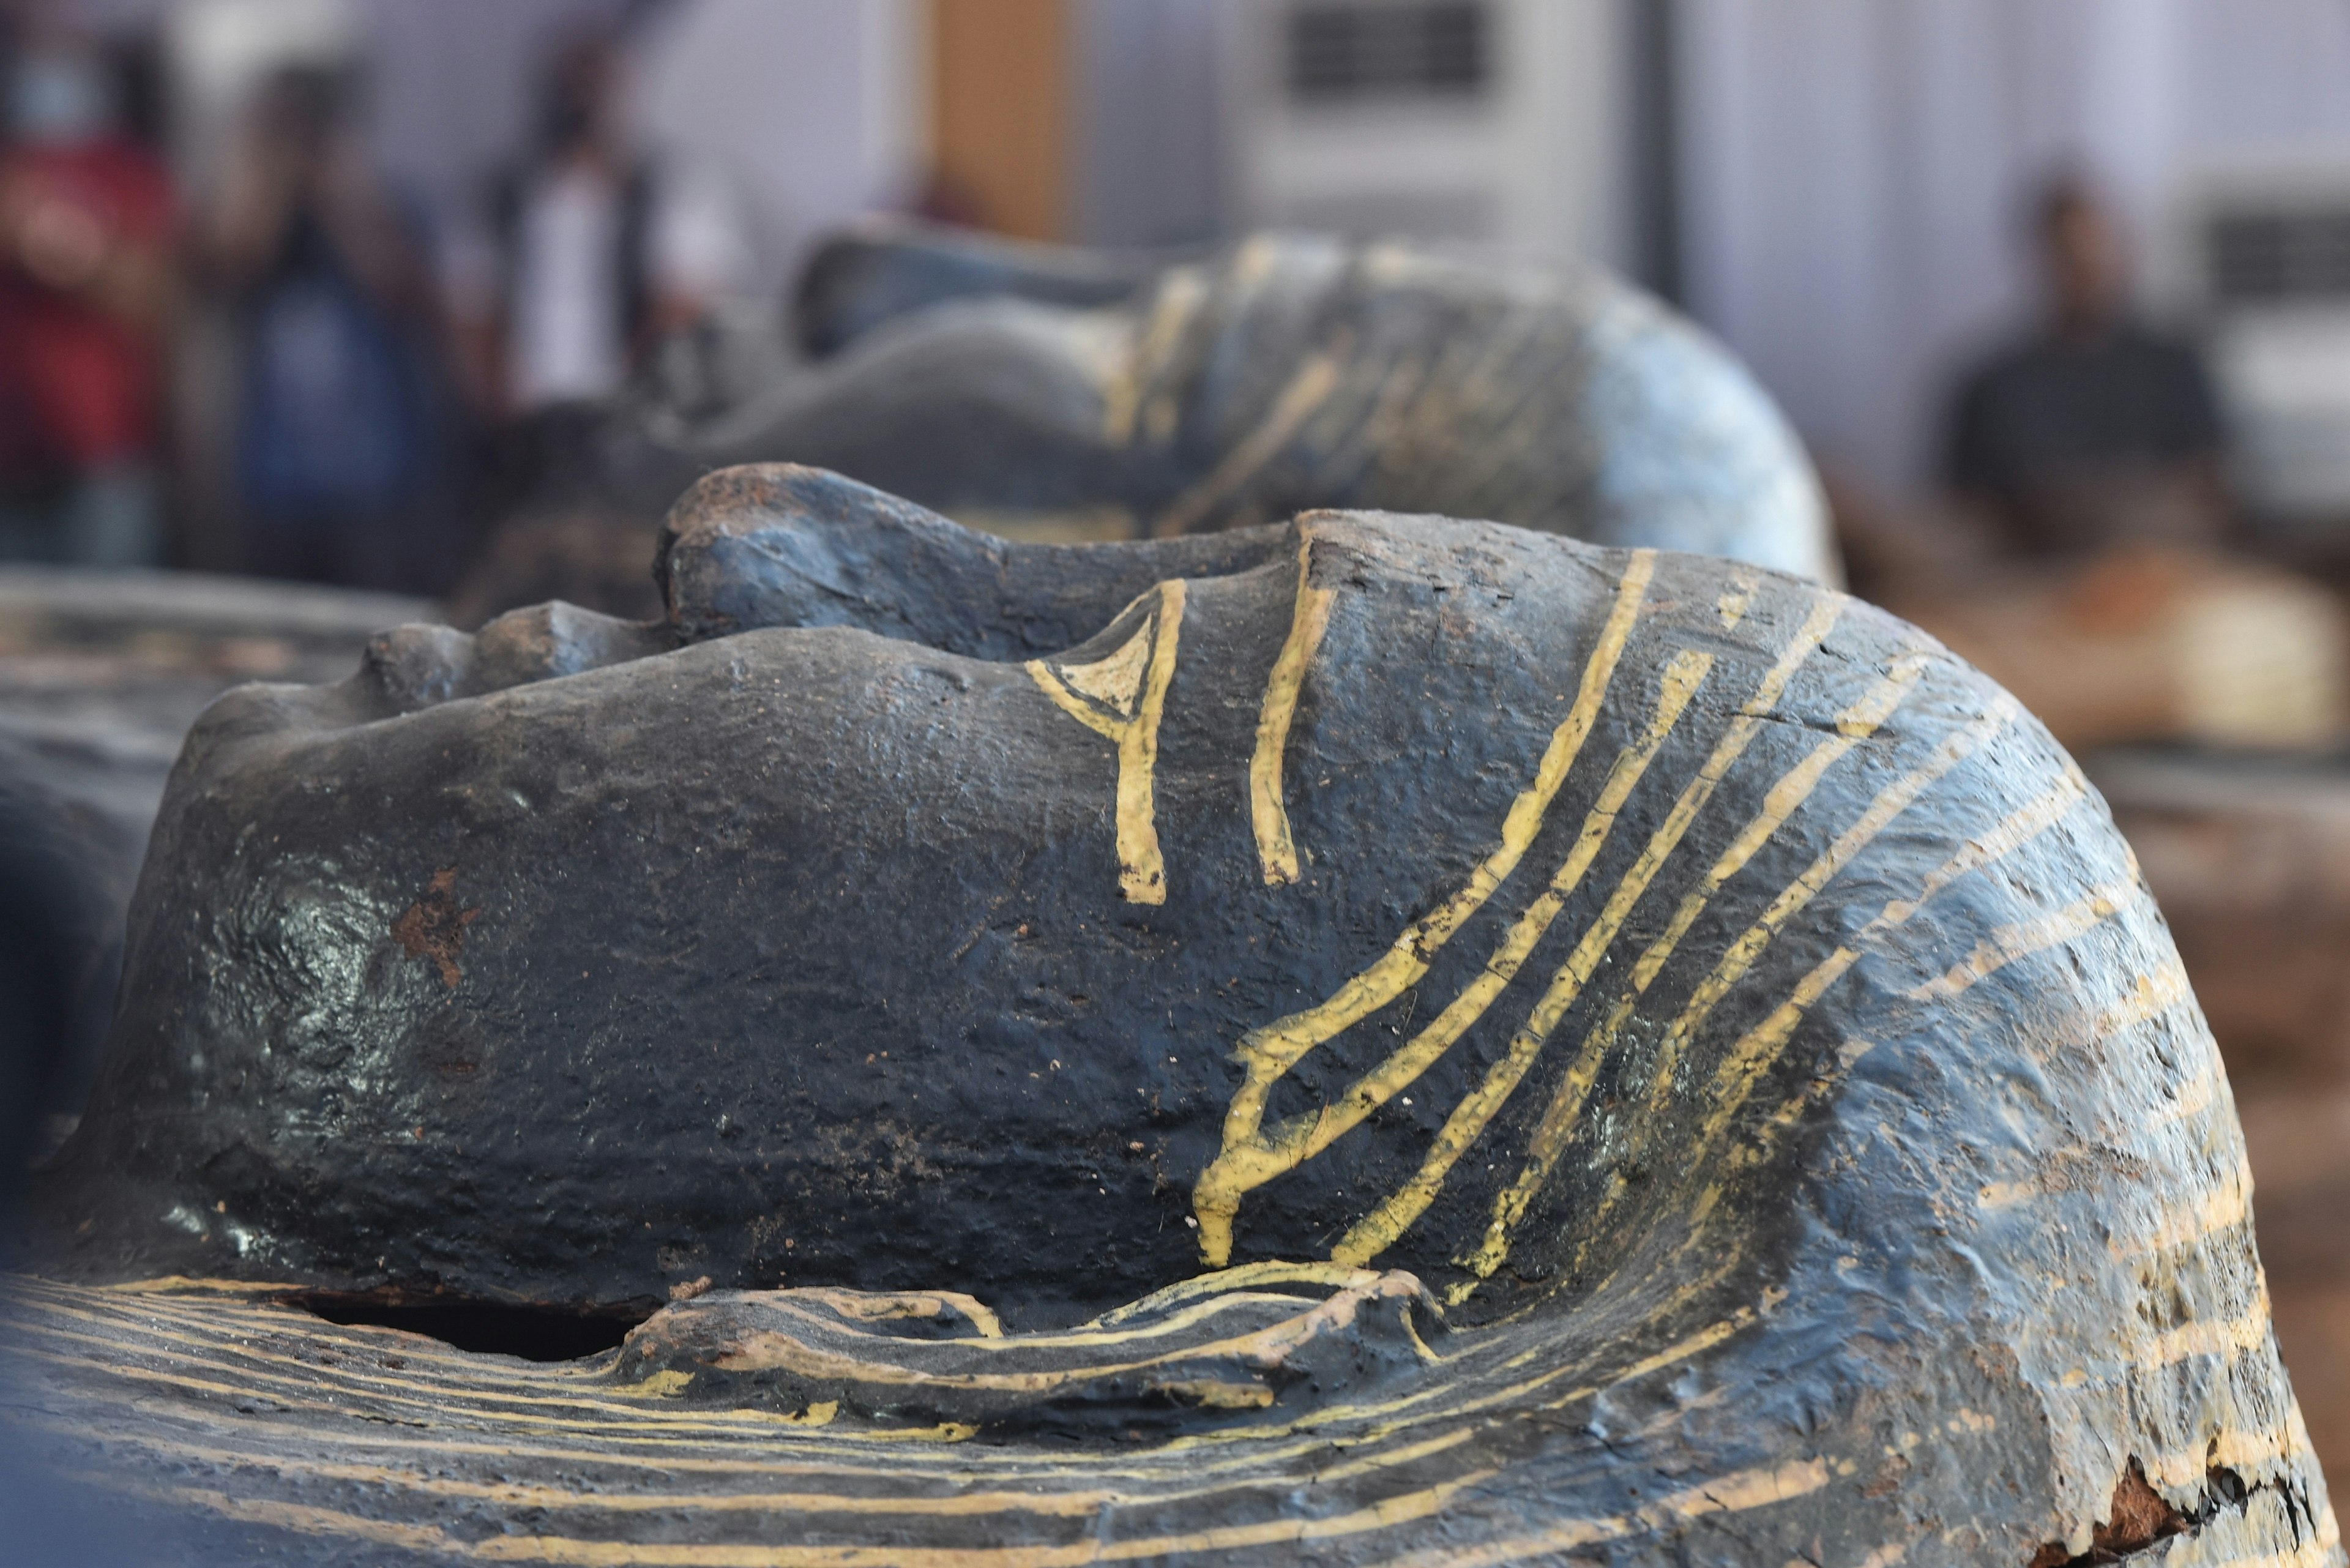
[[1052, 394]]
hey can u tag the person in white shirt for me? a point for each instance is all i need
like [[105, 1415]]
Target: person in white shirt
[[591, 251]]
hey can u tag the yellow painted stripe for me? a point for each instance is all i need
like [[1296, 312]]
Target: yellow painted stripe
[[2218, 1209], [1380, 1229], [1248, 1276], [1557, 1128], [584, 1497], [1267, 1054], [1141, 871], [1758, 1049], [1315, 379], [1306, 1135], [1190, 1465], [2007, 944], [597, 1500], [1323, 1423], [775, 1350], [1703, 1340], [2316, 1553], [2154, 994], [1744, 580], [1447, 1400], [1257, 1468], [1263, 1346], [1738, 1492], [1889, 803], [2026, 823], [1201, 1306], [2193, 1097], [1309, 617], [1283, 1532], [2019, 827], [1551, 1134], [1441, 1399], [1730, 1492], [839, 1444], [461, 1392], [2229, 1336], [179, 1284], [753, 1462], [1497, 466], [1401, 406], [1181, 292], [1742, 1065], [231, 1324], [2247, 1452], [2016, 830], [1783, 800], [431, 1404]]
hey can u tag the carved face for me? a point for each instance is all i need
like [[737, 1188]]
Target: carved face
[[1730, 1006], [1111, 913]]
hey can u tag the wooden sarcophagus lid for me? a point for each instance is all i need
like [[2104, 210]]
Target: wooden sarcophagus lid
[[1366, 1040]]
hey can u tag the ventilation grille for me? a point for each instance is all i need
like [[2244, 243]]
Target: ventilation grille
[[2276, 257], [1342, 52]]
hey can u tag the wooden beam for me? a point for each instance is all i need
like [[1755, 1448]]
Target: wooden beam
[[1000, 113]]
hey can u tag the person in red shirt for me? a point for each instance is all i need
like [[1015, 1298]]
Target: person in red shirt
[[87, 219]]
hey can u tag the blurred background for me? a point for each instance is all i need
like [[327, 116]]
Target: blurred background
[[2057, 292], [380, 195]]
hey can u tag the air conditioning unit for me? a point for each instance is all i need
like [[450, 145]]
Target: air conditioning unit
[[1490, 124], [2266, 262]]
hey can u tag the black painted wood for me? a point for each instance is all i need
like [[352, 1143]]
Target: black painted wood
[[1612, 1053]]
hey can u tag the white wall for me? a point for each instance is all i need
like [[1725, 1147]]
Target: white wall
[[1146, 165], [813, 107], [451, 86], [1533, 169], [1854, 171], [809, 109]]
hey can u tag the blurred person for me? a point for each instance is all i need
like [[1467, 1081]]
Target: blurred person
[[589, 252], [2079, 555], [2094, 430], [87, 220], [338, 435]]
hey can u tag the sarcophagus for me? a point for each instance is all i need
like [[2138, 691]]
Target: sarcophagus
[[1050, 392], [1362, 1040]]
